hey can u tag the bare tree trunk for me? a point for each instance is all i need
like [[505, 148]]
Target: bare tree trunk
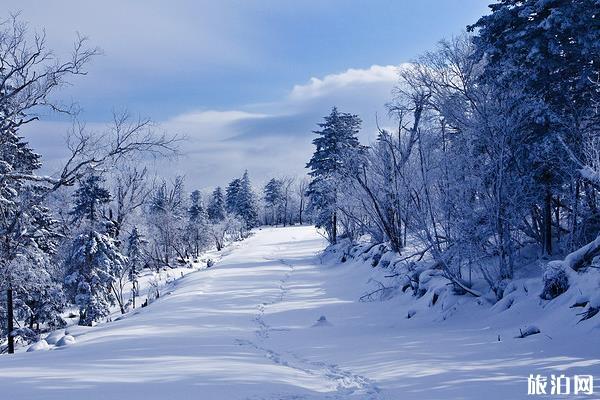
[[134, 293], [573, 232], [547, 235], [334, 228], [10, 315], [557, 216]]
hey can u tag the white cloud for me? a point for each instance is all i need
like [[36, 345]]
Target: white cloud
[[268, 139], [214, 117], [317, 87]]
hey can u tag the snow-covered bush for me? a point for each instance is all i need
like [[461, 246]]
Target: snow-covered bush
[[556, 280]]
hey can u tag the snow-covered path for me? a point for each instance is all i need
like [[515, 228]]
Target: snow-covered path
[[246, 329]]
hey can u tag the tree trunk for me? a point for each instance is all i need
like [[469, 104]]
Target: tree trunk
[[557, 217], [548, 223], [573, 233], [334, 229], [133, 293], [10, 315]]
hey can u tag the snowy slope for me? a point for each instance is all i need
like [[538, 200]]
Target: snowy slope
[[249, 329]]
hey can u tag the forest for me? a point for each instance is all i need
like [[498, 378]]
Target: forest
[[482, 187], [494, 160]]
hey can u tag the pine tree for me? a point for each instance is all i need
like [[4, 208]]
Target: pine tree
[[273, 197], [331, 162], [197, 230], [247, 207], [241, 202], [90, 275], [89, 198], [216, 206], [196, 210], [546, 53], [95, 260], [28, 231], [232, 196]]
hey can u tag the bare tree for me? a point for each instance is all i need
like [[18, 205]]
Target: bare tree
[[29, 75], [131, 190], [301, 188]]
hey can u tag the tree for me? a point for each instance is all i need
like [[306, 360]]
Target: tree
[[131, 189], [28, 77], [232, 196], [229, 228], [135, 258], [166, 216], [547, 53], [95, 263], [301, 189], [247, 206], [273, 197], [216, 206], [90, 275], [89, 198], [336, 145], [240, 201], [197, 224]]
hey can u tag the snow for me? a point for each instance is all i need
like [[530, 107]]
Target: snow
[[66, 340], [244, 330], [38, 346], [55, 336]]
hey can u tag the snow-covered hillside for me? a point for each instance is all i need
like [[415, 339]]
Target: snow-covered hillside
[[270, 321]]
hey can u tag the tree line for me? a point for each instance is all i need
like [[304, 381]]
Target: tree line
[[495, 149], [79, 239]]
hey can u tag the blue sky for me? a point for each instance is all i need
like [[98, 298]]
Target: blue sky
[[245, 80]]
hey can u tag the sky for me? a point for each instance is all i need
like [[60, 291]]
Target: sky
[[245, 82]]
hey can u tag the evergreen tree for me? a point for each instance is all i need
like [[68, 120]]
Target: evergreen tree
[[247, 207], [216, 206], [90, 275], [196, 210], [27, 228], [240, 201], [89, 198], [95, 260], [336, 145], [546, 54], [232, 196], [197, 230], [273, 197]]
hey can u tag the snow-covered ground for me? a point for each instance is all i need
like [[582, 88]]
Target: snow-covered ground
[[251, 328]]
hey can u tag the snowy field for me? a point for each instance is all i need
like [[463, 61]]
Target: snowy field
[[249, 329]]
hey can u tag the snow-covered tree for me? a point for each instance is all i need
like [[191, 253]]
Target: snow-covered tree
[[95, 262], [232, 195], [166, 216], [247, 205], [90, 275], [135, 260], [90, 198], [241, 201], [335, 145], [197, 226], [216, 206], [273, 198], [546, 53]]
